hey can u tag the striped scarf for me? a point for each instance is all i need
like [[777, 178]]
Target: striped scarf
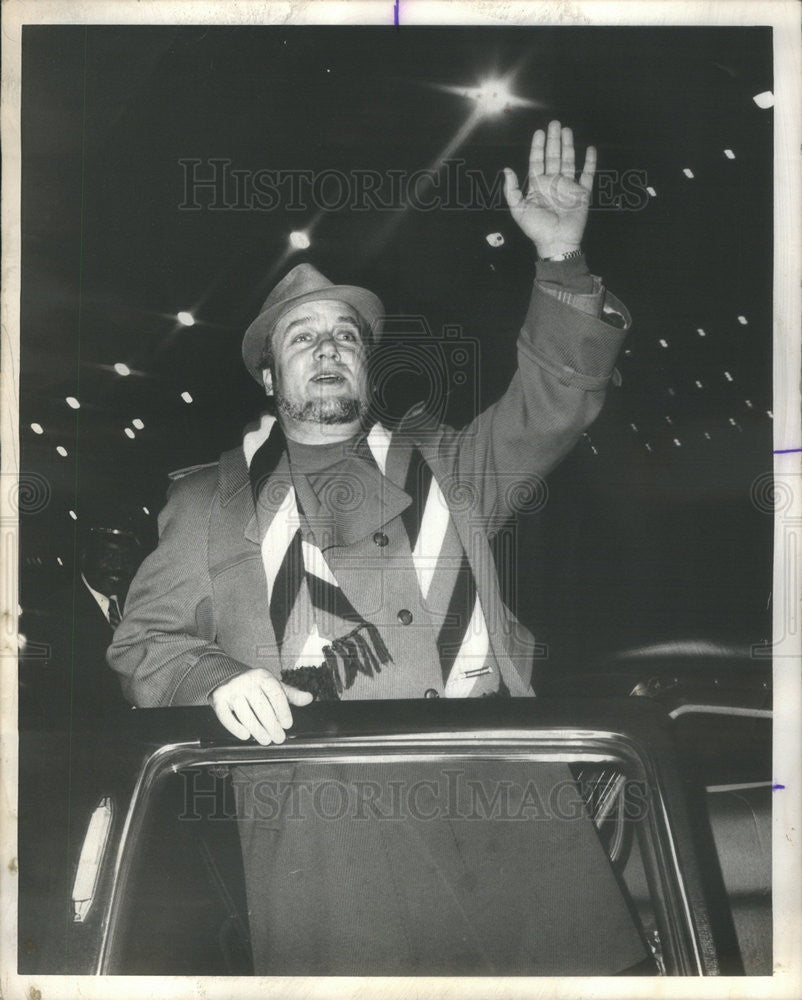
[[292, 562]]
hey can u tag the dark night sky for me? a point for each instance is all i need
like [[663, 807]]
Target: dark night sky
[[642, 538]]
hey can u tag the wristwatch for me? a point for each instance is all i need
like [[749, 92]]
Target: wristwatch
[[570, 255]]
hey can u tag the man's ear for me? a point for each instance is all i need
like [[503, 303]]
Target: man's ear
[[267, 381]]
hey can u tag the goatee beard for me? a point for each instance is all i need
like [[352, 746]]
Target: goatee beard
[[323, 411]]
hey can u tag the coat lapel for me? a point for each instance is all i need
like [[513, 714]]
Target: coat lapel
[[235, 498], [367, 505], [349, 547]]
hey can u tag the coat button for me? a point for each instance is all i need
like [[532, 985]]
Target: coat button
[[404, 616], [380, 539], [430, 693]]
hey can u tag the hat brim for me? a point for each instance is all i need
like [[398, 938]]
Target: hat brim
[[365, 303]]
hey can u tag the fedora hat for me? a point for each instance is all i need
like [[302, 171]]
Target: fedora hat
[[304, 283]]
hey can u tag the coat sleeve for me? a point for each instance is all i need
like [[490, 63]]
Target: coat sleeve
[[164, 648], [565, 363]]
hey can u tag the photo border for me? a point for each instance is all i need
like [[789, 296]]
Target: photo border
[[784, 17]]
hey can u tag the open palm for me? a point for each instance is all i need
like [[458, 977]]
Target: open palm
[[554, 211]]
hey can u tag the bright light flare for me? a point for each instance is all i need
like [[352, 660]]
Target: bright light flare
[[491, 97], [73, 403], [186, 319], [186, 396], [122, 369], [299, 240]]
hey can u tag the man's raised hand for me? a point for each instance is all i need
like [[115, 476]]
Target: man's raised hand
[[256, 704], [554, 211]]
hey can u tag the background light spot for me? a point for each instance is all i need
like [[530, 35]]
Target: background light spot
[[492, 97]]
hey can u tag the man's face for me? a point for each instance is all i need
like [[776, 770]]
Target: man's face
[[109, 563], [319, 364]]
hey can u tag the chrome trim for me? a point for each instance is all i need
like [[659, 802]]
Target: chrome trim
[[749, 713], [739, 787], [683, 893]]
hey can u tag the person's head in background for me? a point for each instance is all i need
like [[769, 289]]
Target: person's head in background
[[108, 559]]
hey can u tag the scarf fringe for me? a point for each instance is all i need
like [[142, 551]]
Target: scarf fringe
[[358, 654]]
